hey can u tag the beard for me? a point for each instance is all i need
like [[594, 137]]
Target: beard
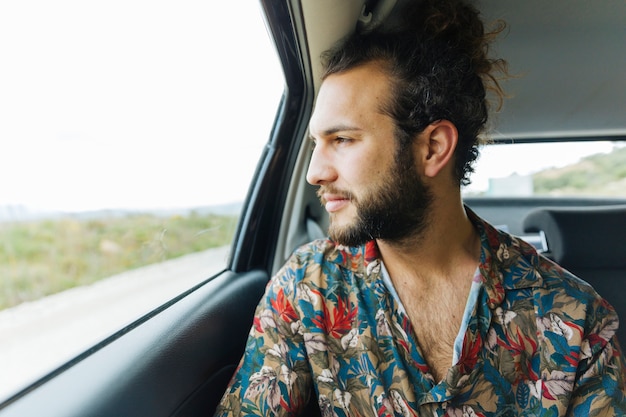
[[394, 210]]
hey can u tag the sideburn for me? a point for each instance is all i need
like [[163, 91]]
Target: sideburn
[[403, 203]]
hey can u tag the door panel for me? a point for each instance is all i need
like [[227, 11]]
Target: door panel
[[175, 361]]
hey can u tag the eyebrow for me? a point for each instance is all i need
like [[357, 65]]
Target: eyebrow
[[339, 128]]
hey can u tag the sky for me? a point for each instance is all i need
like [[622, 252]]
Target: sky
[[150, 104], [133, 103]]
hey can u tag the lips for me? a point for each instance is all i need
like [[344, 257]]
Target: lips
[[334, 202]]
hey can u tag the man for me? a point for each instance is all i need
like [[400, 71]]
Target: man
[[415, 306]]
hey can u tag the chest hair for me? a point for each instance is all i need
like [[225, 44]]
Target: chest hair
[[435, 314]]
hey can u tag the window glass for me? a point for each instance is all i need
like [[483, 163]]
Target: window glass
[[557, 169], [129, 134]]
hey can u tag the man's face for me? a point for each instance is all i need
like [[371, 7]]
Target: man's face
[[369, 186]]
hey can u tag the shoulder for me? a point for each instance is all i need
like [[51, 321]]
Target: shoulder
[[325, 252], [559, 280], [577, 300], [517, 266], [564, 304], [316, 251], [311, 256], [319, 263]]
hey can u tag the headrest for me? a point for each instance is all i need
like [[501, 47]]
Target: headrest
[[582, 237]]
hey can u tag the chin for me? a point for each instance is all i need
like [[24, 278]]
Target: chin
[[347, 235]]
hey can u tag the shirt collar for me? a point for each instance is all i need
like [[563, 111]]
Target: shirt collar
[[357, 259], [506, 262]]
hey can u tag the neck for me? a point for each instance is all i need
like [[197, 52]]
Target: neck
[[448, 245]]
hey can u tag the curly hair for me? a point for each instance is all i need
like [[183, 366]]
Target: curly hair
[[437, 58]]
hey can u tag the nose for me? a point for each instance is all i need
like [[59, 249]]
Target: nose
[[320, 170]]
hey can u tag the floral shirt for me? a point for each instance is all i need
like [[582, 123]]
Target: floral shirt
[[540, 342]]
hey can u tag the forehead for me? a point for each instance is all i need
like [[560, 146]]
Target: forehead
[[351, 98]]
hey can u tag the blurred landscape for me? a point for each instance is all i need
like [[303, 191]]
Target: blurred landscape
[[602, 175], [46, 253]]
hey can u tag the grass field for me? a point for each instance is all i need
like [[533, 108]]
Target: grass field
[[44, 257]]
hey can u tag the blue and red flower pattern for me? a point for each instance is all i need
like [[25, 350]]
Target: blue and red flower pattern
[[540, 342]]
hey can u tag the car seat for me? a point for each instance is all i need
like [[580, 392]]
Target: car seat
[[591, 243]]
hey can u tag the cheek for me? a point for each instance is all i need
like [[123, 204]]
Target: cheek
[[354, 172], [364, 167]]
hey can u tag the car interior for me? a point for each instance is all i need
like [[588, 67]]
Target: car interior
[[569, 86]]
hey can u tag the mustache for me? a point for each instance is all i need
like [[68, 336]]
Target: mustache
[[330, 189]]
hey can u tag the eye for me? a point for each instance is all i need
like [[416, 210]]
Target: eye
[[342, 139]]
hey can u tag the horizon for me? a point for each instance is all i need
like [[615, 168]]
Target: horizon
[[19, 213]]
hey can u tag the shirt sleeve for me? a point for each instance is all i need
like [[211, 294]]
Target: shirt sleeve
[[273, 377], [600, 388]]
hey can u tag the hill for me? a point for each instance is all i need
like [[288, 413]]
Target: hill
[[596, 175]]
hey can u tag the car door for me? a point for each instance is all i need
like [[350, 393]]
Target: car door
[[176, 359]]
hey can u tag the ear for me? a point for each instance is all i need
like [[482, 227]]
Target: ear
[[440, 138]]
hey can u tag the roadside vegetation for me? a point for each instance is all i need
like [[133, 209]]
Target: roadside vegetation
[[596, 175], [40, 258]]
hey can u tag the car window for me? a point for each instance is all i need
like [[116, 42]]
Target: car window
[[130, 132], [550, 169]]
